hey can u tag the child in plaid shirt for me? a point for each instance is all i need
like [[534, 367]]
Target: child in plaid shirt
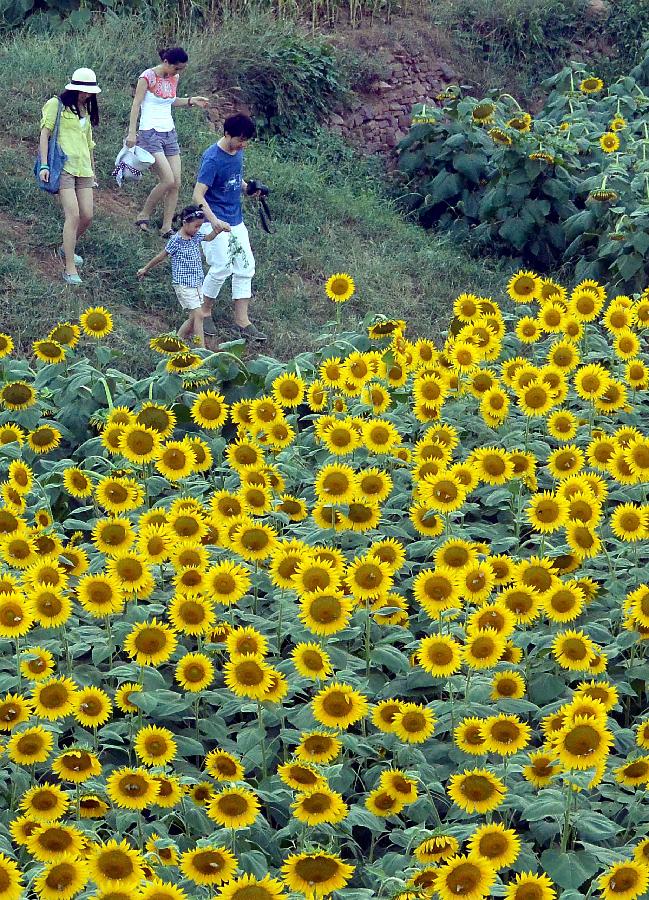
[[184, 249]]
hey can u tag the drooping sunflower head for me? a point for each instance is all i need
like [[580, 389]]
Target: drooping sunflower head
[[591, 85]]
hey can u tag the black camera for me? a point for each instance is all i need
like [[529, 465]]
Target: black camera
[[257, 187]]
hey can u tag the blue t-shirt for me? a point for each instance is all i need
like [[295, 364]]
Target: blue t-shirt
[[223, 173], [186, 260]]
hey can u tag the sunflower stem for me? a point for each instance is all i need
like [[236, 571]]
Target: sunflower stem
[[66, 650], [140, 835], [18, 664], [368, 638], [639, 798], [262, 740], [78, 801], [279, 623], [565, 830], [111, 642], [197, 726]]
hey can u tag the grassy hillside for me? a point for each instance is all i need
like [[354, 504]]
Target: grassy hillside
[[330, 208]]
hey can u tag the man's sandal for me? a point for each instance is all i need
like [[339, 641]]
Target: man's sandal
[[142, 224]]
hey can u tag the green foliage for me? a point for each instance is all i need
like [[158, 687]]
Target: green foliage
[[628, 26], [543, 190], [290, 81], [517, 29]]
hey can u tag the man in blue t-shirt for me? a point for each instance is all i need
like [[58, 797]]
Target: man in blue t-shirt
[[219, 186]]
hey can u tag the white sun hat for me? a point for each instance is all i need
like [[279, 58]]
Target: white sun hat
[[84, 80]]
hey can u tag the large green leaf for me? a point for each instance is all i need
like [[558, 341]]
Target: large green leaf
[[569, 869]]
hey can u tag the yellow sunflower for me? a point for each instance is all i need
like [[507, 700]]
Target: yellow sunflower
[[150, 643], [53, 699], [527, 886], [76, 765], [318, 747], [96, 321], [131, 788], [233, 808], [413, 723], [154, 746], [194, 672], [30, 746], [17, 395], [320, 806], [311, 661], [340, 287], [316, 873], [476, 790], [208, 865], [339, 706], [45, 803], [223, 766], [115, 865], [439, 655], [582, 743], [468, 877], [62, 879], [624, 880]]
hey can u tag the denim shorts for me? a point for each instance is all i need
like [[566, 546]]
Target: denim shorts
[[159, 142]]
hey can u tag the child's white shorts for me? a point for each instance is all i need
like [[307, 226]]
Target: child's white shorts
[[189, 297]]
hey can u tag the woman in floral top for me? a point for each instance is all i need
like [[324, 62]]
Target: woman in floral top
[[79, 112], [154, 96]]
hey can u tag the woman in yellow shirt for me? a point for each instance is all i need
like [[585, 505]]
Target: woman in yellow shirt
[[79, 112]]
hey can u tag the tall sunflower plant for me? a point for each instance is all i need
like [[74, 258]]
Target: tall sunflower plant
[[569, 184], [372, 623]]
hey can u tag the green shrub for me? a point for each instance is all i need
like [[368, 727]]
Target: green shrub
[[289, 80], [543, 190]]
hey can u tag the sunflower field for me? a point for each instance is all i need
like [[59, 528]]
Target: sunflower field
[[370, 624], [569, 184]]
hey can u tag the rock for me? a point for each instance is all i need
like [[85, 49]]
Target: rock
[[447, 71], [596, 10], [404, 121], [335, 119], [384, 86]]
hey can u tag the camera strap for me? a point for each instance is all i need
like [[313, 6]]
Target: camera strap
[[265, 216]]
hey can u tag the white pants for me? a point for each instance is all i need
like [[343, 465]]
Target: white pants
[[222, 266]]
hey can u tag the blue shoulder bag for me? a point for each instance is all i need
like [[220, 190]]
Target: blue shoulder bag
[[55, 159]]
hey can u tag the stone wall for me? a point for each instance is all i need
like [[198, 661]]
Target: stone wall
[[380, 117]]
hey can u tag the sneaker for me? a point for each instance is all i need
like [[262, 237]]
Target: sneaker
[[78, 260], [72, 279], [250, 333]]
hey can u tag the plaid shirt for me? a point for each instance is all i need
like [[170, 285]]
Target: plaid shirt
[[186, 261]]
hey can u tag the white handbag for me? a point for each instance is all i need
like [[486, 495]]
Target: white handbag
[[131, 163]]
